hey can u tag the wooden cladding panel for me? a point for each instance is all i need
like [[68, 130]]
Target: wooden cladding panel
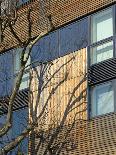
[[66, 88], [62, 12]]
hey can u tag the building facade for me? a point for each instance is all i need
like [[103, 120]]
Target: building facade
[[73, 75]]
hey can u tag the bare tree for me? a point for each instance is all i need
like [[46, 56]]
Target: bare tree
[[9, 20], [45, 133]]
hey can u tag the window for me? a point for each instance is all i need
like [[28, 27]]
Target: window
[[25, 81], [25, 78], [102, 25], [101, 33], [17, 53], [20, 2], [102, 52], [102, 99]]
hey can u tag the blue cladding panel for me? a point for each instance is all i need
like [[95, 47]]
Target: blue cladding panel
[[46, 49], [61, 42], [20, 119], [6, 73], [74, 37], [38, 52], [54, 45]]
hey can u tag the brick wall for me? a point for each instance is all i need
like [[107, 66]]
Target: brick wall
[[94, 137], [62, 12]]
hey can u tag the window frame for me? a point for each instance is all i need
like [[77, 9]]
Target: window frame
[[105, 40], [113, 83], [94, 26], [112, 38], [100, 43], [16, 72]]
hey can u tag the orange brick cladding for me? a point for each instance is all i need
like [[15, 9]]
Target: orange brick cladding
[[62, 12], [95, 137]]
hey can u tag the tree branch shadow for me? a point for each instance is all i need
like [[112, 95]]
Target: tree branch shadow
[[47, 135]]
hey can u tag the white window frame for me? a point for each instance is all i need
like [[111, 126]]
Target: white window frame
[[94, 44], [94, 104]]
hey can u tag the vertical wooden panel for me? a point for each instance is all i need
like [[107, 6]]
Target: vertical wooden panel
[[67, 84]]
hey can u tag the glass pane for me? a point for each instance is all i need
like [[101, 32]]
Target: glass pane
[[20, 2], [17, 54], [102, 99], [25, 78], [102, 52], [25, 81], [102, 25]]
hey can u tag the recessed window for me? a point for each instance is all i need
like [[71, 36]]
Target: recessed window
[[101, 33], [20, 2], [25, 78], [25, 81], [102, 99], [102, 52], [102, 25], [17, 54]]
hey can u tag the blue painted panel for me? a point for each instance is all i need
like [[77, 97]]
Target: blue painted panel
[[6, 73], [61, 42], [54, 45], [20, 119], [74, 37], [46, 49], [37, 54]]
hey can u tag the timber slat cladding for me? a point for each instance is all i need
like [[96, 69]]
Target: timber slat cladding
[[67, 85], [61, 11]]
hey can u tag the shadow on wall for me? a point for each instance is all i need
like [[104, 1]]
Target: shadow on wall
[[58, 102]]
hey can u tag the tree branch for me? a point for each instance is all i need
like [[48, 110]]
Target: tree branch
[[8, 123], [29, 23], [16, 141], [14, 33]]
